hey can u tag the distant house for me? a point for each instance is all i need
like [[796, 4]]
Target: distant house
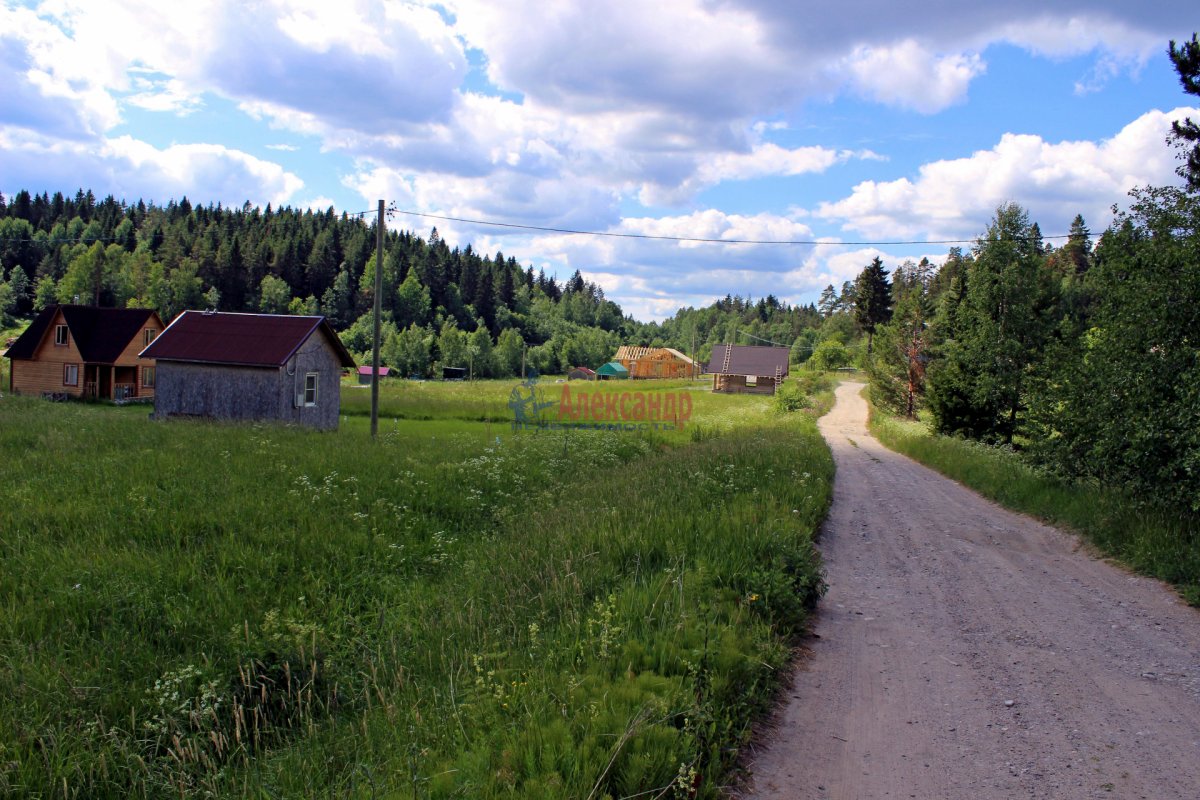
[[581, 374], [655, 362], [249, 367], [748, 369], [454, 373], [83, 351], [613, 370], [364, 374]]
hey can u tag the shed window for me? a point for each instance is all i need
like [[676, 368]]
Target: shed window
[[148, 377], [310, 389], [60, 335], [148, 336], [70, 374]]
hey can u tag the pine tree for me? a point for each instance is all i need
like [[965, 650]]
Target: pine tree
[[1186, 134]]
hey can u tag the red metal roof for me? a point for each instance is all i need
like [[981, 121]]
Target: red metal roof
[[367, 370], [256, 340], [100, 334], [749, 360]]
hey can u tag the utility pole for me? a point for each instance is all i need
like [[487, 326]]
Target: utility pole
[[375, 338]]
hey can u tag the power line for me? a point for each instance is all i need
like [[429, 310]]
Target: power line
[[573, 232], [759, 338]]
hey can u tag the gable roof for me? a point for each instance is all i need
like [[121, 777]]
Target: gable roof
[[629, 352], [612, 368], [249, 340], [100, 334], [749, 360]]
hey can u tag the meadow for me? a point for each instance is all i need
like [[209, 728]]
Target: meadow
[[454, 609]]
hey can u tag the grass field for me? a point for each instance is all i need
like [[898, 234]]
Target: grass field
[[452, 610], [1137, 534]]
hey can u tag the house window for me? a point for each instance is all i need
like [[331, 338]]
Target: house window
[[70, 374], [752, 380], [147, 377], [310, 389], [60, 335], [148, 336]]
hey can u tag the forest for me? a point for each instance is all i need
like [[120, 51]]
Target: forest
[[441, 306]]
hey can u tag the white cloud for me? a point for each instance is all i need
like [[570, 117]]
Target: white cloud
[[133, 169], [910, 76], [1054, 181]]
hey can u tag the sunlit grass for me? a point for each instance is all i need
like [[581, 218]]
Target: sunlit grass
[[453, 609]]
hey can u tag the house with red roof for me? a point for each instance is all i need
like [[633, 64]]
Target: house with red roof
[[85, 351], [250, 367]]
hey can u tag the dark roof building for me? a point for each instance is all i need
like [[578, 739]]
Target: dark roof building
[[85, 351], [752, 369], [249, 367]]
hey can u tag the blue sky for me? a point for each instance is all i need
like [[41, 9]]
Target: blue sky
[[861, 121]]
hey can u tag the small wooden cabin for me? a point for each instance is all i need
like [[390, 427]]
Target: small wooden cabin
[[613, 370], [364, 374], [249, 367], [655, 362], [748, 369], [581, 374], [85, 351]]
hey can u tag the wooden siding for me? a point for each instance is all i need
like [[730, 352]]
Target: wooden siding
[[43, 374], [253, 393], [736, 384]]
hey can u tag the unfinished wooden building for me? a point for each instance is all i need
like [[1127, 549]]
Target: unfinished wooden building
[[748, 369], [655, 362]]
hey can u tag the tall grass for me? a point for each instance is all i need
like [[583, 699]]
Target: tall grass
[[1141, 536], [453, 610]]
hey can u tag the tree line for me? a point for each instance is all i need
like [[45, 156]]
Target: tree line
[[441, 306]]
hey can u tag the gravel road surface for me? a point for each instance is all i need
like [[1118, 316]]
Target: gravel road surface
[[964, 651]]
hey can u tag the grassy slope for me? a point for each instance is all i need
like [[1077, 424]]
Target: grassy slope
[[1146, 540], [454, 610]]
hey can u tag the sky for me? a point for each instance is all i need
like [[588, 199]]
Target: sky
[[850, 130]]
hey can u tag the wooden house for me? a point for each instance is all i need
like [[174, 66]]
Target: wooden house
[[249, 367], [364, 374], [581, 374], [655, 362], [84, 351], [613, 370], [748, 369]]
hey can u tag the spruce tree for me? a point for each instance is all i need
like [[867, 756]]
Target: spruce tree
[[872, 299]]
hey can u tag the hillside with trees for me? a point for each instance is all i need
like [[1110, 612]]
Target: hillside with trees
[[442, 306]]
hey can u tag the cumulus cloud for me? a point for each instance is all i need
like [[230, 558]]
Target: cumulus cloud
[[132, 169], [1054, 181], [910, 76]]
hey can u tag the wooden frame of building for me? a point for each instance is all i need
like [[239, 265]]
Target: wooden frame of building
[[655, 362], [748, 369], [85, 351], [262, 367]]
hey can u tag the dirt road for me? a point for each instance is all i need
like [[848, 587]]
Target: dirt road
[[967, 652]]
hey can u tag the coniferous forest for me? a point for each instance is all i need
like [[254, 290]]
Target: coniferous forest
[[441, 306]]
